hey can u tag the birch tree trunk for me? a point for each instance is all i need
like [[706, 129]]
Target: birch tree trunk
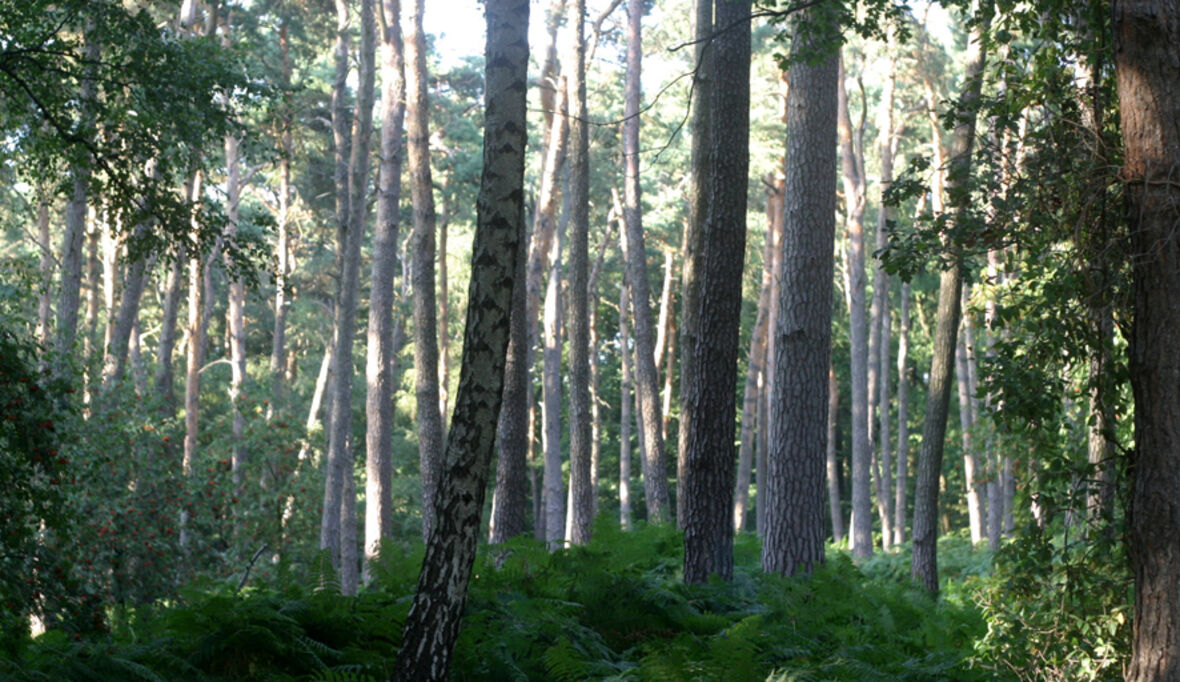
[[432, 625], [975, 511], [381, 356]]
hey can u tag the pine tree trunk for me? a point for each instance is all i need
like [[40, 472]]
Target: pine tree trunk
[[794, 537], [832, 461], [433, 622], [554, 485], [430, 424], [698, 205], [708, 522], [635, 253], [380, 357], [854, 209], [924, 563]]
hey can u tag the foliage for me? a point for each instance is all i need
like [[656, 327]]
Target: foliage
[[614, 609]]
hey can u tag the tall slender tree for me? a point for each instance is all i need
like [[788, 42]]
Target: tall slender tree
[[429, 419], [380, 359], [924, 563], [432, 625]]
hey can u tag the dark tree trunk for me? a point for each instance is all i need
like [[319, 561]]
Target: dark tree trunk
[[924, 563], [1147, 63], [794, 537], [708, 521], [432, 626]]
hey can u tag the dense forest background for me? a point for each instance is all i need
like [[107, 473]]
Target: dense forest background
[[797, 340]]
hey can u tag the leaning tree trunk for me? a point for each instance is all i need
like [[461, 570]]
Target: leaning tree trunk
[[1147, 64], [708, 521], [635, 252], [794, 537], [924, 563], [430, 423], [380, 357], [698, 205], [432, 625]]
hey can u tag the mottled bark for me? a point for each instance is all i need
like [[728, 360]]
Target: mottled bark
[[794, 537], [1147, 64], [381, 356], [432, 625], [700, 128], [924, 562], [429, 419]]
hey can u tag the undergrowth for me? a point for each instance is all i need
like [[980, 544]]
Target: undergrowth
[[615, 609]]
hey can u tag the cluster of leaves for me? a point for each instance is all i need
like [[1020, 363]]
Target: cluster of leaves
[[615, 609]]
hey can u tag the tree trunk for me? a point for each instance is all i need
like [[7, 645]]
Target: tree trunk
[[44, 311], [430, 424], [624, 410], [125, 321], [75, 218], [879, 317], [854, 209], [582, 495], [1147, 64], [380, 357], [995, 483], [195, 351], [554, 485], [171, 308], [794, 538], [924, 563], [432, 625], [596, 402], [903, 416], [975, 511], [635, 252], [444, 312], [236, 326], [278, 353], [708, 522], [698, 205], [835, 510]]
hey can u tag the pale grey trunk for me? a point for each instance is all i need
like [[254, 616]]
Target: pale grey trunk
[[195, 343], [235, 315], [125, 320], [831, 459], [975, 511], [903, 416], [624, 410], [554, 485], [44, 311], [164, 351], [278, 353], [995, 464], [380, 356]]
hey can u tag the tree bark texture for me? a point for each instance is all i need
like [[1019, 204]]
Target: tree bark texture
[[553, 486], [380, 356], [924, 562], [708, 522], [903, 417], [975, 510], [698, 204], [433, 622], [581, 494], [430, 423], [624, 409], [1147, 64], [794, 538]]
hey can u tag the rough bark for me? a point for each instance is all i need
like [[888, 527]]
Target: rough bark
[[924, 562], [1147, 64], [635, 252], [430, 423], [433, 622], [794, 537], [708, 522], [380, 356], [700, 128], [581, 494], [854, 210]]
